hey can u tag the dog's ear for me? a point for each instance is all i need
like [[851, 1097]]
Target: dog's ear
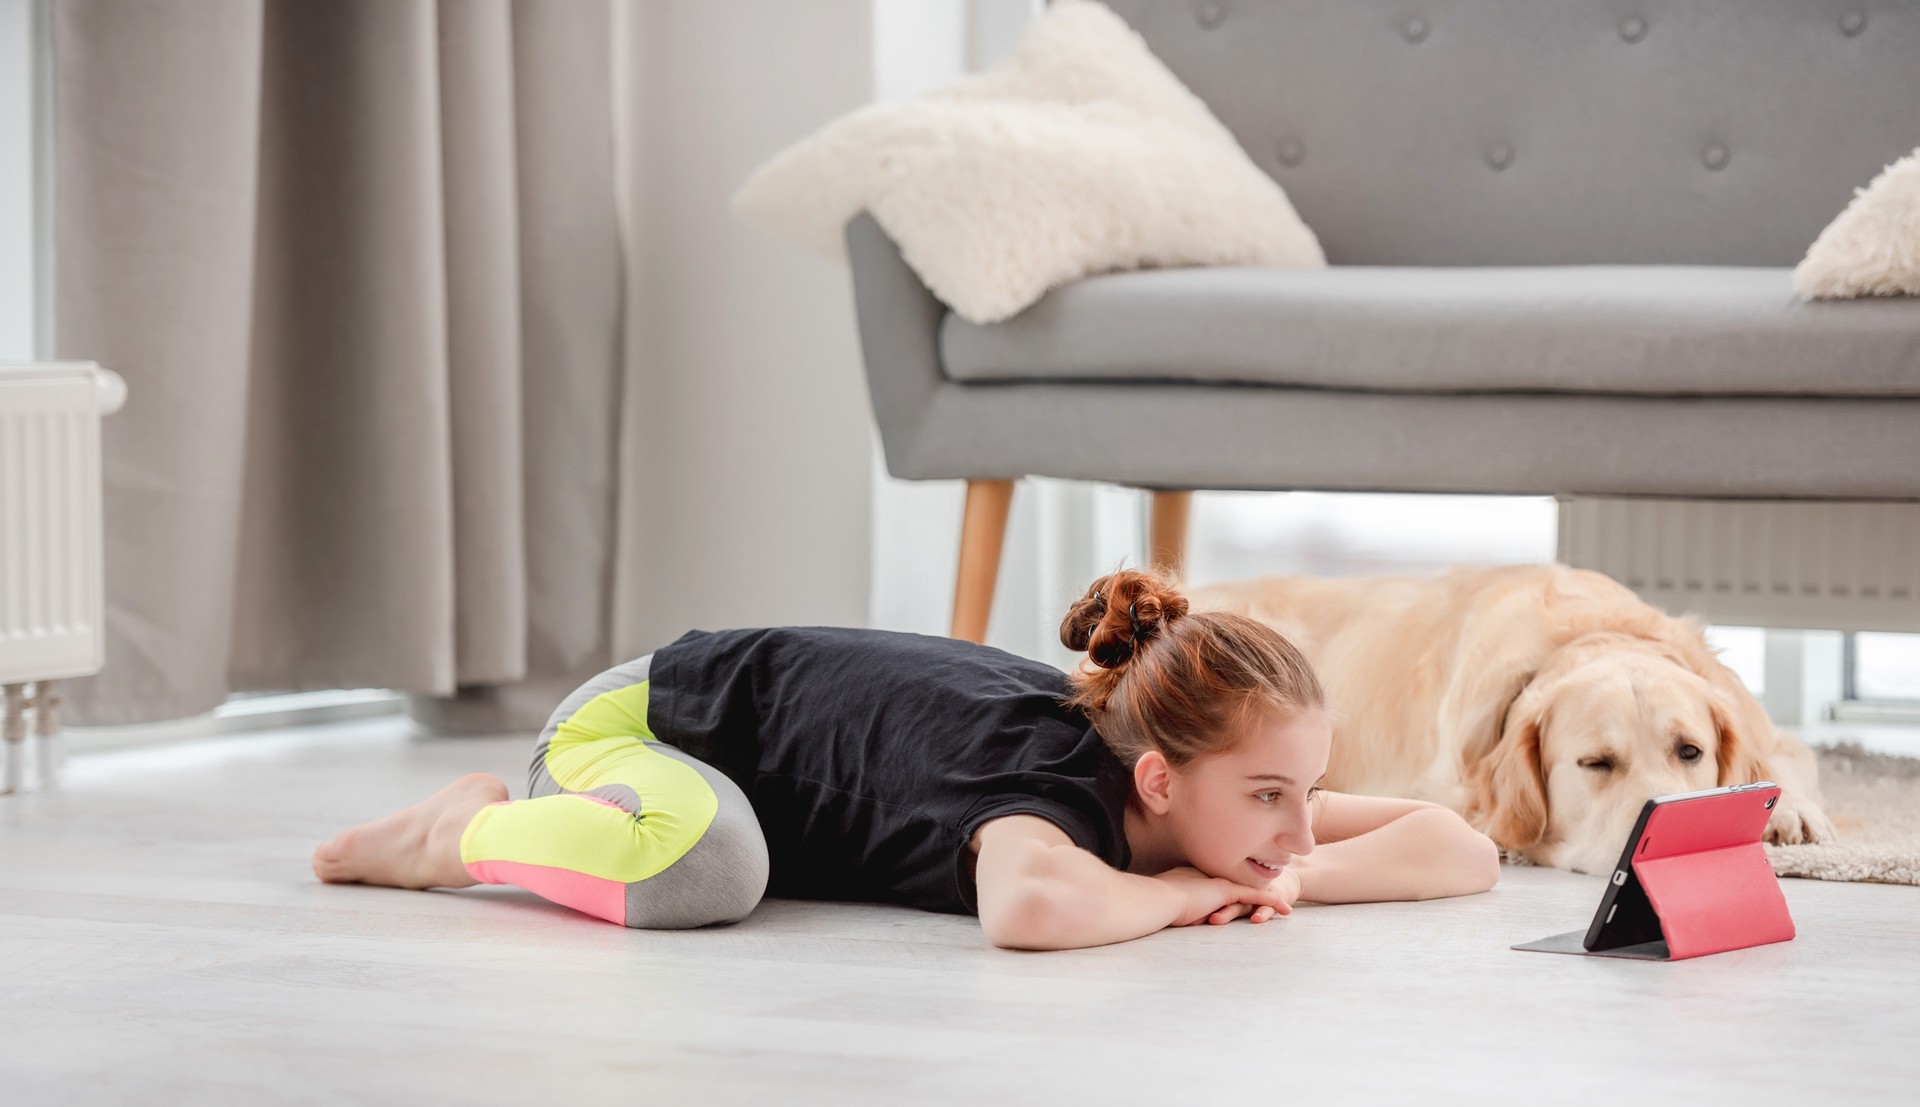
[[1739, 722], [1487, 677], [1735, 723], [1508, 793]]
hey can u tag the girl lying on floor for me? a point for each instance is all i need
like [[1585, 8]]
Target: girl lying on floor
[[1168, 781]]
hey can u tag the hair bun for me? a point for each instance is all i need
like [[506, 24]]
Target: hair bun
[[1120, 613]]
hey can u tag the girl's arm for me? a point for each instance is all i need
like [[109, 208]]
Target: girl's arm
[[1383, 849], [1040, 891]]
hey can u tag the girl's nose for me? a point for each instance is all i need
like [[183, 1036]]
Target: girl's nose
[[1296, 839]]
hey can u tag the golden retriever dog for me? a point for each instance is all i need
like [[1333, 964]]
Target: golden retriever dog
[[1543, 703]]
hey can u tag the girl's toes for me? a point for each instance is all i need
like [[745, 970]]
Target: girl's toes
[[330, 859]]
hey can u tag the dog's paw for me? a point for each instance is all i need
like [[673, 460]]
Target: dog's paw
[[1796, 821]]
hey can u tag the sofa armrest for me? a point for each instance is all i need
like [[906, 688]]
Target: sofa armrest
[[899, 323]]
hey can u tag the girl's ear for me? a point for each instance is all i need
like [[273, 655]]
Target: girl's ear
[[1153, 780]]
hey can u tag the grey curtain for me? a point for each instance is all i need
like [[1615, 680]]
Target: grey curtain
[[359, 262]]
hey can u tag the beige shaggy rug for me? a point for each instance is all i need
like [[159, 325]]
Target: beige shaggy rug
[[1874, 802]]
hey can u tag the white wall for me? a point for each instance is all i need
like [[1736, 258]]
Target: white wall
[[1060, 534], [20, 307], [748, 443], [918, 46], [760, 497]]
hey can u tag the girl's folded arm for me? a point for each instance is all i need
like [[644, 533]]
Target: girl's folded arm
[[1425, 853], [1040, 891]]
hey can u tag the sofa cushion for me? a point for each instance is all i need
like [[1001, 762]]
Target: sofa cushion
[[1873, 247], [1077, 154], [1657, 330]]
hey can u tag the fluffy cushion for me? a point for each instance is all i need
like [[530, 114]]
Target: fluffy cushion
[[1873, 248], [1079, 154]]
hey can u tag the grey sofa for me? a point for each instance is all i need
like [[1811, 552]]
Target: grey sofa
[[1560, 238]]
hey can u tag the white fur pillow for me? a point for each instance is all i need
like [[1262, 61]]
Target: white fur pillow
[[1873, 248], [1079, 154]]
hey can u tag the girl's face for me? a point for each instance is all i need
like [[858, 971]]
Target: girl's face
[[1243, 814]]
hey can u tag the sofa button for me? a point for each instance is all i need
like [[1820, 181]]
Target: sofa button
[[1414, 30], [1633, 30], [1499, 155], [1212, 14], [1714, 156], [1853, 23], [1291, 153]]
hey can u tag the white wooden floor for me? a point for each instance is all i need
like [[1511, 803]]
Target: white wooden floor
[[162, 941]]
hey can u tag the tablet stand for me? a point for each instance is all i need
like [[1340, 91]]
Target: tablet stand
[[1690, 891]]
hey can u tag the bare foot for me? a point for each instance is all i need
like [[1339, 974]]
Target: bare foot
[[418, 847]]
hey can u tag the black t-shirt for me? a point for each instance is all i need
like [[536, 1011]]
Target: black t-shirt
[[871, 757]]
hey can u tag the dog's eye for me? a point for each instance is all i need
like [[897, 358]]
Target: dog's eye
[[1689, 752], [1600, 763]]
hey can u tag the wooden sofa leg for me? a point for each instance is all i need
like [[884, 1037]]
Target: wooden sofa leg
[[983, 530], [1167, 531]]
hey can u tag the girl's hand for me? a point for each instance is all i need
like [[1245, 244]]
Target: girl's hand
[[1287, 885], [1211, 898]]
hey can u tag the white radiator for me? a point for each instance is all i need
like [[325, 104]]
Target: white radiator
[[1812, 565], [51, 593]]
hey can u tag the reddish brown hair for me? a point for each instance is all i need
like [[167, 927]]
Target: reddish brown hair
[[1178, 682]]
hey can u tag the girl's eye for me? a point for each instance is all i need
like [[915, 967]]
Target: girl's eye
[[1267, 797]]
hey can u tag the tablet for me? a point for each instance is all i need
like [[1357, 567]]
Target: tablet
[[1705, 848], [1713, 819]]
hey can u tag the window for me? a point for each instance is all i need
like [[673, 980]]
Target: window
[[1235, 535], [1883, 667], [1238, 535]]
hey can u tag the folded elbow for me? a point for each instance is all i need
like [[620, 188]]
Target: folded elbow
[[1483, 862], [1472, 860], [1037, 903], [1028, 916], [1477, 859]]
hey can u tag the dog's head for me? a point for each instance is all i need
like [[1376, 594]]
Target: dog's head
[[1607, 722]]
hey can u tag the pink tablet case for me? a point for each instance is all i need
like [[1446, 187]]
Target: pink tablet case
[[1708, 878]]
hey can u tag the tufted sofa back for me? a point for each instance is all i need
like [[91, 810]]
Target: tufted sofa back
[[1541, 132]]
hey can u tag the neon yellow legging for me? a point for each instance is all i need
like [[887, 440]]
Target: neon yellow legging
[[621, 825]]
